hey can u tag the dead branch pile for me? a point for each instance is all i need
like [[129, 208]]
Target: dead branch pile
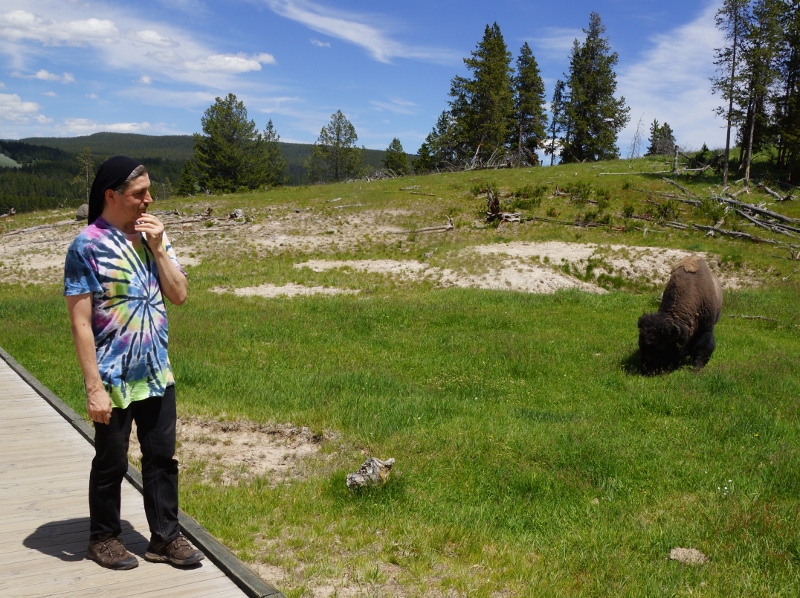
[[493, 210], [762, 217]]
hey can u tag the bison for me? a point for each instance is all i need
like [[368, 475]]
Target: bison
[[684, 323]]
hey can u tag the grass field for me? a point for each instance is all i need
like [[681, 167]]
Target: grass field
[[532, 458]]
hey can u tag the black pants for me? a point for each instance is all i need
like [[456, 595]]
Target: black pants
[[155, 424]]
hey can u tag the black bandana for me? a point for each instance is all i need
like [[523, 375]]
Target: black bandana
[[111, 174]]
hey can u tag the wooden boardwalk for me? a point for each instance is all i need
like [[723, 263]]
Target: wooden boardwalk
[[44, 472]]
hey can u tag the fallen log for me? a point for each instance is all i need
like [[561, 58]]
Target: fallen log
[[504, 216], [734, 233], [679, 186], [775, 194], [757, 210], [776, 228], [428, 229]]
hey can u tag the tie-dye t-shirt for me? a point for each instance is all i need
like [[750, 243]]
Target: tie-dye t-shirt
[[129, 319]]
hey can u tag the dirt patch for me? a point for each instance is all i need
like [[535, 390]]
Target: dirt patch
[[229, 452], [513, 275], [287, 290], [651, 265], [688, 556]]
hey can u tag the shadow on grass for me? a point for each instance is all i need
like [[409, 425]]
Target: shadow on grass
[[632, 364]]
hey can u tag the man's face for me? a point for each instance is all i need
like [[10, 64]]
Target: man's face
[[134, 200]]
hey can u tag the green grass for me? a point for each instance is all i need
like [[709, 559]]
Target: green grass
[[531, 457]]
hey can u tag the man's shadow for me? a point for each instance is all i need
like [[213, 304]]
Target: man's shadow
[[67, 539]]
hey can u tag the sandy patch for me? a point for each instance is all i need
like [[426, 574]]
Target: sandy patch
[[513, 275], [228, 452], [518, 276], [36, 254], [688, 556], [392, 267], [287, 290], [648, 264]]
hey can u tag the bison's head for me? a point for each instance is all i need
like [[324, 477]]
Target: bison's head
[[661, 341]]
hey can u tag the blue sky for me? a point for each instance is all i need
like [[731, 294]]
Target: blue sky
[[77, 67]]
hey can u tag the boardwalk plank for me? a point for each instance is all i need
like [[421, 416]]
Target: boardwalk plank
[[44, 471]]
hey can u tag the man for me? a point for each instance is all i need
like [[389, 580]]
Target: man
[[117, 271]]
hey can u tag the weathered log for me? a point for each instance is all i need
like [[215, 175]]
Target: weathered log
[[734, 233], [775, 194], [777, 228], [757, 210], [373, 472], [429, 229]]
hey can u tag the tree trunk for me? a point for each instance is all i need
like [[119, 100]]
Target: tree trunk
[[750, 135], [730, 103]]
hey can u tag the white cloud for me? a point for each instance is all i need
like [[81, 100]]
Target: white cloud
[[396, 106], [14, 109], [556, 42], [44, 75], [320, 44], [20, 25], [152, 38], [356, 30], [230, 63], [85, 126], [122, 44], [671, 84], [145, 80]]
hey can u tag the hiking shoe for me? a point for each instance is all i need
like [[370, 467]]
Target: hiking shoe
[[178, 552], [111, 554]]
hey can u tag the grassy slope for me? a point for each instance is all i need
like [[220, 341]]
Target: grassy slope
[[532, 459], [6, 162]]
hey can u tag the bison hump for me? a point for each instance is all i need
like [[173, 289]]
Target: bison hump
[[690, 263]]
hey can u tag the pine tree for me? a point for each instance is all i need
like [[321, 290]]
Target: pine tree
[[763, 38], [558, 122], [85, 172], [483, 106], [275, 161], [396, 159], [188, 184], [662, 140], [531, 121], [423, 161], [228, 155], [335, 156], [594, 115], [440, 151], [786, 100], [731, 19]]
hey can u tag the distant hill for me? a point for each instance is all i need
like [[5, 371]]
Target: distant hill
[[104, 145], [171, 147], [42, 172]]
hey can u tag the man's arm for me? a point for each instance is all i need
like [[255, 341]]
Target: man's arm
[[173, 282], [98, 403]]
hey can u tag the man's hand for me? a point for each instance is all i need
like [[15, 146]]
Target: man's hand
[[172, 280], [152, 228], [98, 406]]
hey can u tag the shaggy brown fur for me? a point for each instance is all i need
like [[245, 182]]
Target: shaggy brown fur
[[684, 324]]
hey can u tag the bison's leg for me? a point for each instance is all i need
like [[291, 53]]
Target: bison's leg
[[702, 348]]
